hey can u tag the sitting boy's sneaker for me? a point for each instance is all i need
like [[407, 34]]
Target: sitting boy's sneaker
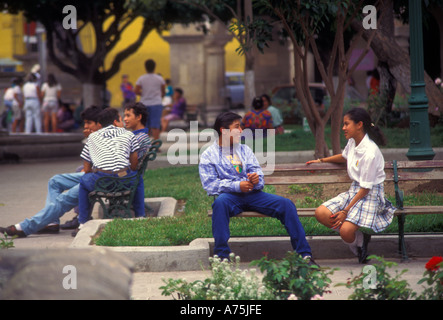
[[71, 224], [310, 261], [50, 229], [12, 231]]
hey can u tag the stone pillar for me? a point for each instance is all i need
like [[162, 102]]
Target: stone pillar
[[187, 60], [214, 44]]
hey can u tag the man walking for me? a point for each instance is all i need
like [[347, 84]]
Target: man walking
[[151, 89]]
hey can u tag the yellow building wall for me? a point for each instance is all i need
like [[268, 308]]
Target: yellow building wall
[[11, 36]]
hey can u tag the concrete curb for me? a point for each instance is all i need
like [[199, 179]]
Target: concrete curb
[[195, 255], [150, 259]]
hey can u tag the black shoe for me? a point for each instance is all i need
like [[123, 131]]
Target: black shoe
[[12, 231], [52, 229], [74, 233], [71, 224], [363, 250], [311, 262]]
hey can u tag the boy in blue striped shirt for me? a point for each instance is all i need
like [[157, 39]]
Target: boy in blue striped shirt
[[230, 170]]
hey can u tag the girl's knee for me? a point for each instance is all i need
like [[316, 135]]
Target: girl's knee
[[347, 232], [322, 215]]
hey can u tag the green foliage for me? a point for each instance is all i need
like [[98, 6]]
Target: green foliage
[[5, 243], [387, 287], [293, 276]]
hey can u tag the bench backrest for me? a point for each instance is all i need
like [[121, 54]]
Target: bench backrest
[[329, 173]]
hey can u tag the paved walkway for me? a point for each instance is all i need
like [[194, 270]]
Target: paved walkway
[[22, 194]]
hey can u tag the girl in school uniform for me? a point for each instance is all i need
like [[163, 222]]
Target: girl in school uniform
[[364, 204]]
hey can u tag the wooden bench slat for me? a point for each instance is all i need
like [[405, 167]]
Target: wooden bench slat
[[288, 180], [415, 164], [416, 176], [416, 210], [286, 168], [310, 212]]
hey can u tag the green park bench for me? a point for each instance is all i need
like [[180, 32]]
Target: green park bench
[[330, 173]]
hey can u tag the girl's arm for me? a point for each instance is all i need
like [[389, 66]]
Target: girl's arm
[[337, 158]]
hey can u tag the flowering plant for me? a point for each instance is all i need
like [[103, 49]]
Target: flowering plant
[[433, 276], [228, 282]]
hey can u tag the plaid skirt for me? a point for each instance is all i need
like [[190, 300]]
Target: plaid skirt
[[373, 211]]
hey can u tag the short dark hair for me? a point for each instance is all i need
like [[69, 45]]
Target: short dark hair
[[150, 65], [108, 116], [224, 120], [139, 109], [257, 103], [91, 113], [179, 90], [267, 97]]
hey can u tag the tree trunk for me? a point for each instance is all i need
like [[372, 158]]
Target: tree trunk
[[249, 92], [386, 49], [92, 95]]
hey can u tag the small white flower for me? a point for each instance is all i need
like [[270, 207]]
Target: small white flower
[[292, 297], [438, 81]]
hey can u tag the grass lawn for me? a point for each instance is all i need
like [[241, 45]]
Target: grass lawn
[[184, 183]]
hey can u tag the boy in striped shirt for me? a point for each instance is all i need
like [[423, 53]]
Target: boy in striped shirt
[[110, 151]]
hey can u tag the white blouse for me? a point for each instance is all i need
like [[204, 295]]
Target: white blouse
[[365, 162]]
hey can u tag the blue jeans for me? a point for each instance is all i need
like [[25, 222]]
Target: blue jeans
[[155, 115], [58, 202], [32, 115], [228, 205], [87, 183]]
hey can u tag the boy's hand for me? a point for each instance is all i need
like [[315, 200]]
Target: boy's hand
[[246, 186], [253, 178]]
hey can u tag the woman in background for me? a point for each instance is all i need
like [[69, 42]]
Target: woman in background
[[51, 92]]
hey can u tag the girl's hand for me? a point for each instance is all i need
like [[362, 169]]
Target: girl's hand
[[313, 161], [337, 219]]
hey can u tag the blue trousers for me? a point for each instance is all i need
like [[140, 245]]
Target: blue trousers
[[228, 205], [58, 202], [87, 183]]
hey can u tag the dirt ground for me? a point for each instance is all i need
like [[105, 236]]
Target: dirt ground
[[328, 191]]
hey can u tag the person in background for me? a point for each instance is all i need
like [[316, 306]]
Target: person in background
[[127, 90], [51, 93], [18, 117], [277, 118], [32, 95], [9, 98], [151, 89], [65, 118], [169, 92], [364, 204], [258, 118], [177, 110]]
